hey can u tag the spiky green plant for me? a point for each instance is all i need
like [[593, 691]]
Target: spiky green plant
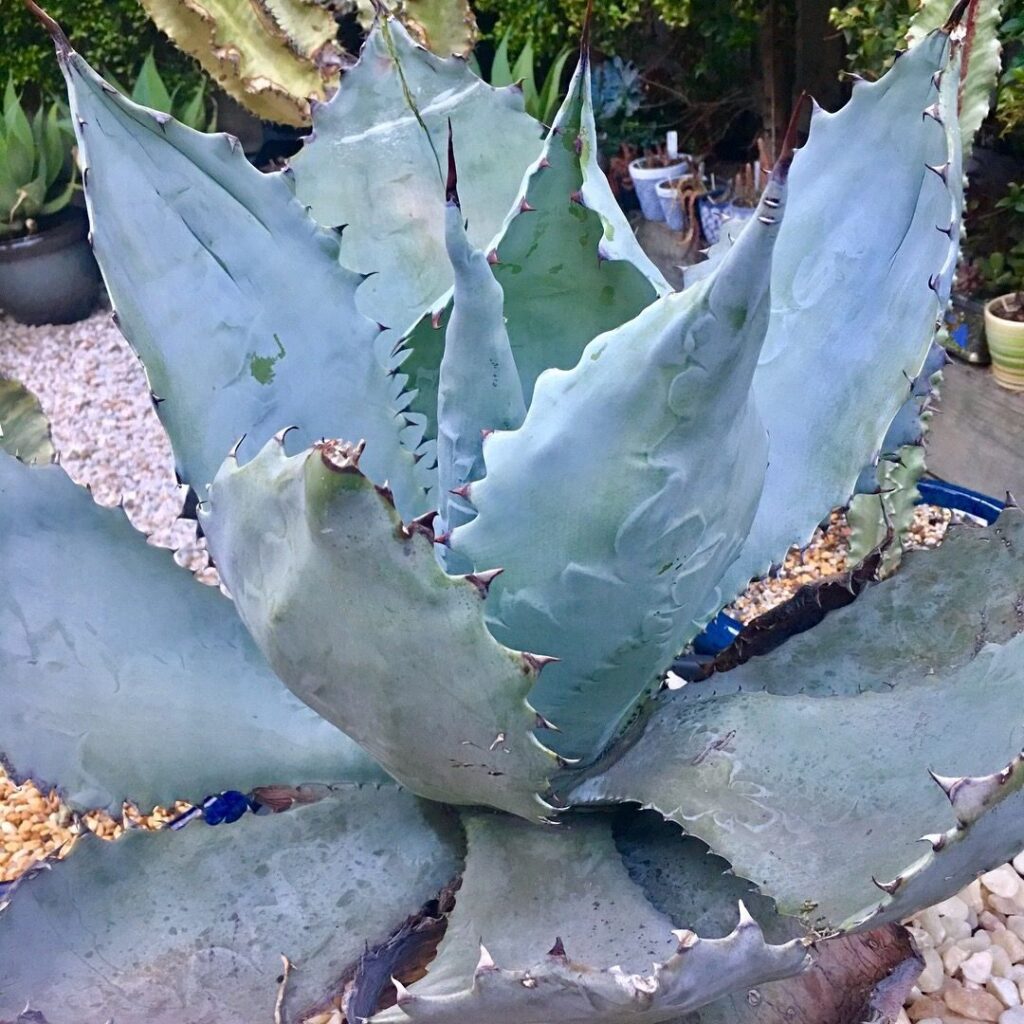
[[37, 174], [279, 57], [535, 489], [150, 90], [272, 56], [543, 102]]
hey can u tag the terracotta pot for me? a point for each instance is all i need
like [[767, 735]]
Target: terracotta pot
[[1006, 341], [50, 277]]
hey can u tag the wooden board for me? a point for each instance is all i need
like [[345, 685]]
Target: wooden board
[[977, 433]]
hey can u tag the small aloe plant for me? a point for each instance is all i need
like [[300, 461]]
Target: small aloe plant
[[150, 90], [473, 475], [37, 173], [541, 103]]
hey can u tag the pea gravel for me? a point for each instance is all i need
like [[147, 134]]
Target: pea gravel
[[94, 392]]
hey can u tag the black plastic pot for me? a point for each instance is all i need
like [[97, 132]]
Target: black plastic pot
[[50, 277]]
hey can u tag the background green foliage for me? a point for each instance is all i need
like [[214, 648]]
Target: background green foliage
[[697, 57], [548, 25], [623, 22], [875, 29], [115, 33], [1011, 85]]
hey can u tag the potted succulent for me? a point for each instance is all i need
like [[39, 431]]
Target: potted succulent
[[1004, 328], [991, 290], [47, 271], [677, 197]]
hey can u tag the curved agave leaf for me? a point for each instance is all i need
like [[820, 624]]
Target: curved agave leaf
[[656, 426], [242, 315], [565, 257], [849, 976], [404, 665], [269, 55], [880, 241], [690, 884], [848, 794], [887, 493], [865, 646], [371, 166], [911, 422], [854, 978], [444, 27], [479, 387], [191, 925], [24, 428], [981, 60], [541, 916], [988, 811], [120, 675], [889, 511]]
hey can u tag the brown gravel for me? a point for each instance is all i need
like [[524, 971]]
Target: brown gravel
[[35, 825], [826, 555]]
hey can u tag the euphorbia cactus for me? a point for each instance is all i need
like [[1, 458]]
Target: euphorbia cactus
[[278, 58], [471, 530]]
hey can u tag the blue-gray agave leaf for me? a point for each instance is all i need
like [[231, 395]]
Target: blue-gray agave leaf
[[867, 704], [374, 163], [861, 274], [192, 925], [231, 295], [479, 388], [122, 678], [545, 930], [616, 507], [353, 612], [565, 256]]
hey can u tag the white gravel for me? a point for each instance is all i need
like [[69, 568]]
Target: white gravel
[[93, 390]]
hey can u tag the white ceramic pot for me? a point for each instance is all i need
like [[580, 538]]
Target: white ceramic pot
[[645, 182], [672, 210]]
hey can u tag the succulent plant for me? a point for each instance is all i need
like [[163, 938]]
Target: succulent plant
[[541, 103], [279, 57], [272, 56], [150, 90], [469, 530], [444, 27], [24, 430], [37, 173]]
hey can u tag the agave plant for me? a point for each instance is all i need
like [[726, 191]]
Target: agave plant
[[473, 476], [883, 512]]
